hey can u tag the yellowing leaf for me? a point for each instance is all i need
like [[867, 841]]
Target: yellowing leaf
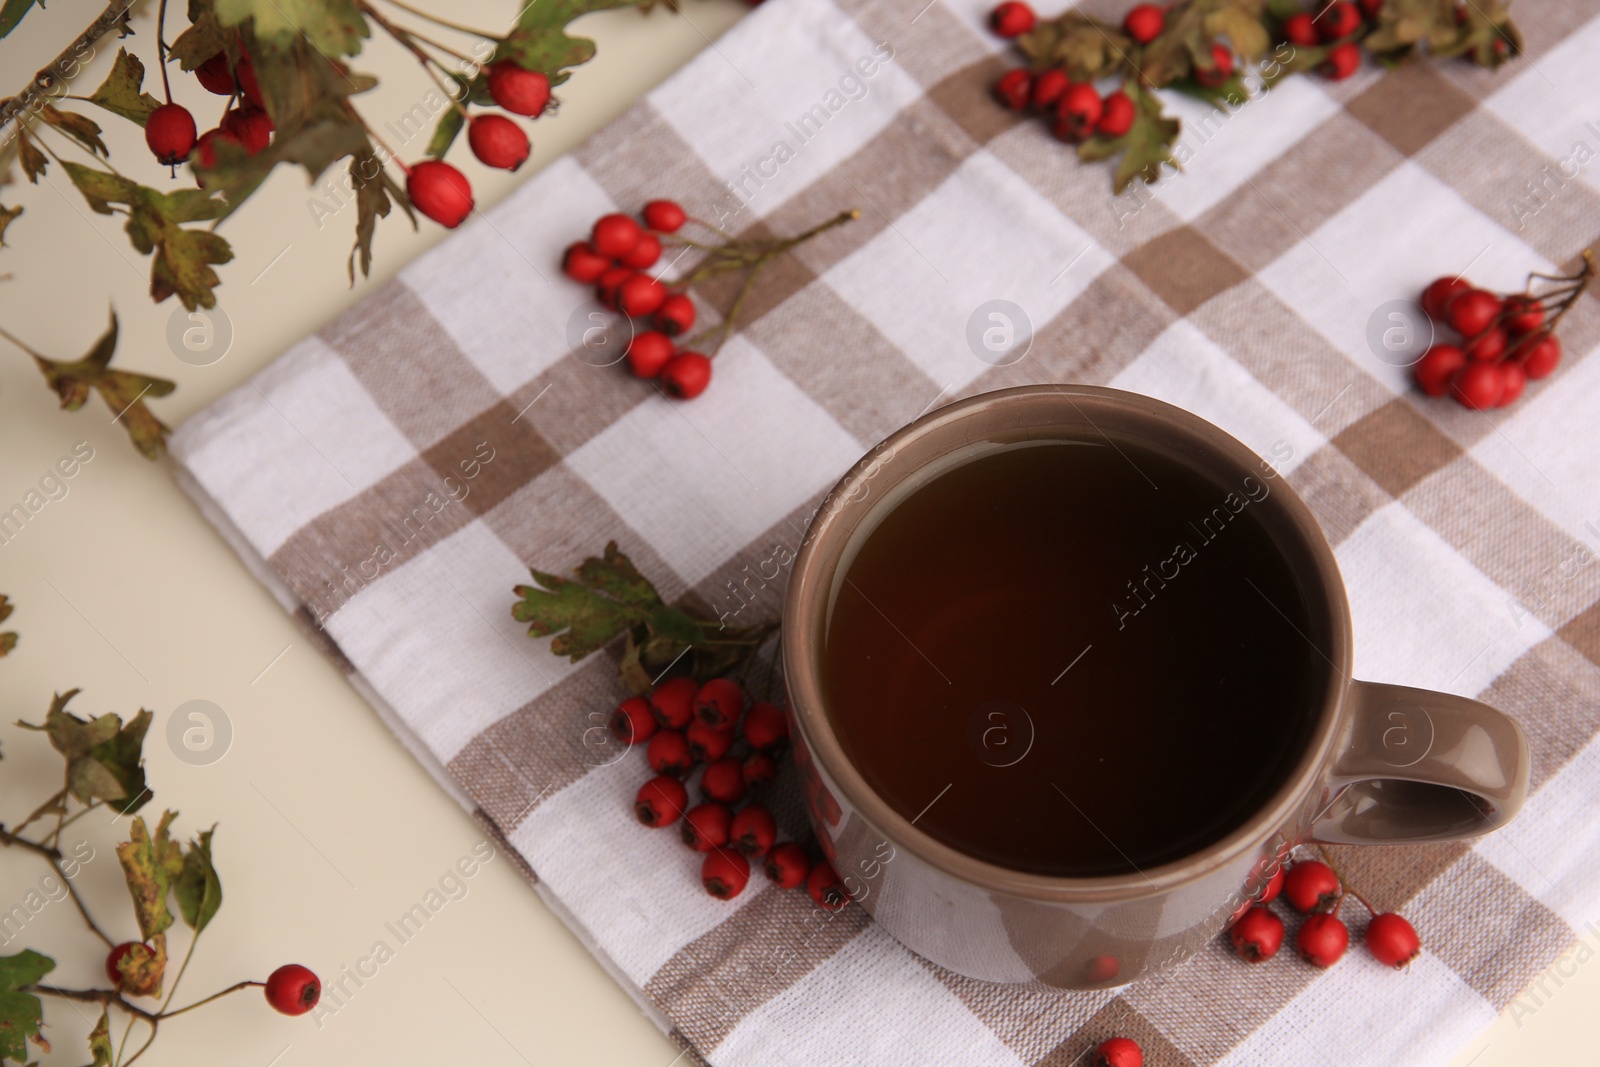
[[334, 27], [122, 91], [104, 756], [100, 1041], [142, 968], [151, 865], [123, 391]]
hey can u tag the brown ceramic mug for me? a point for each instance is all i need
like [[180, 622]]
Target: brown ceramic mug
[[1384, 763]]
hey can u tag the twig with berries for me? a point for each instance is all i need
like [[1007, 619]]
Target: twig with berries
[[619, 251]]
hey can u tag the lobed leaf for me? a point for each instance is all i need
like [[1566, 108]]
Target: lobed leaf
[[122, 93]]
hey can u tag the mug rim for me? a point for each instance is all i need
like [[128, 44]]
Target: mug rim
[[807, 599]]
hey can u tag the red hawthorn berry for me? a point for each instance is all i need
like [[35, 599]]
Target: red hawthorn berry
[[1102, 969], [1472, 312], [1322, 940], [497, 142], [170, 133], [582, 263], [1144, 22], [632, 723], [645, 253], [672, 702], [244, 72], [293, 989], [1523, 313], [787, 865], [215, 76], [1014, 89], [1541, 362], [668, 753], [1048, 87], [1118, 1052], [1076, 112], [1437, 296], [686, 375], [1221, 68], [1514, 379], [1343, 60], [205, 149], [615, 235], [519, 90], [765, 726], [1117, 112], [705, 826], [664, 216], [440, 192], [723, 780], [1011, 19], [759, 769], [250, 125], [1437, 366], [825, 888], [660, 801], [1488, 346], [754, 830], [1392, 940], [1370, 8], [1301, 30], [708, 743], [725, 873], [719, 703], [676, 315], [1338, 19], [1311, 886], [1257, 935], [1274, 886], [1478, 386], [605, 289], [648, 352], [114, 959], [640, 295]]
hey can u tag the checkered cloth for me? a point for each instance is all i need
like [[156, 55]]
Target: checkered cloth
[[394, 475]]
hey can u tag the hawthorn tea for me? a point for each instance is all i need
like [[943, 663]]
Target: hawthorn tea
[[1070, 657]]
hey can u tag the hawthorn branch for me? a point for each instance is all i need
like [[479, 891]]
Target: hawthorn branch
[[53, 857], [57, 70], [93, 996]]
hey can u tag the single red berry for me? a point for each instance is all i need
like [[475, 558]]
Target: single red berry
[[1102, 969], [1117, 112], [632, 723], [615, 235], [644, 254], [754, 830], [1437, 296], [215, 75], [725, 873], [1221, 68], [582, 263], [660, 801], [1270, 891], [497, 142], [1322, 940], [1523, 313], [708, 743], [1118, 1052], [1437, 366], [114, 958], [672, 702], [664, 216], [686, 375], [1144, 22], [668, 753], [640, 295], [605, 289], [1488, 346], [1541, 362], [765, 726], [676, 315], [1392, 940], [787, 865], [825, 888], [1011, 19], [170, 133], [293, 989], [1472, 312], [1343, 60], [1257, 935], [1301, 29], [1478, 386], [1514, 379], [519, 90], [719, 702], [759, 769], [705, 826], [205, 149], [1076, 112], [1338, 19], [1014, 89], [1311, 885], [244, 72], [440, 192], [724, 780], [1048, 87], [250, 125], [648, 352]]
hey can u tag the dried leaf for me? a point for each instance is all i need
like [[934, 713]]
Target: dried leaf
[[80, 128], [100, 1041], [7, 215], [104, 755], [122, 91], [151, 865], [29, 155], [123, 391], [8, 640], [372, 203], [143, 966]]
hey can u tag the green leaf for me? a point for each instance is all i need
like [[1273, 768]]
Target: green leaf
[[1243, 29], [104, 755], [100, 1041], [151, 865], [123, 391], [445, 133], [539, 40], [334, 27], [1146, 145], [12, 13], [609, 597], [20, 1013], [198, 891], [122, 91]]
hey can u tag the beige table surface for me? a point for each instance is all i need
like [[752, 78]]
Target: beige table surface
[[328, 828]]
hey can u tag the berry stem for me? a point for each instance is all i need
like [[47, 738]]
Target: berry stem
[[161, 48], [53, 857], [723, 329], [92, 996], [1344, 882], [58, 799], [437, 21], [219, 994], [408, 41]]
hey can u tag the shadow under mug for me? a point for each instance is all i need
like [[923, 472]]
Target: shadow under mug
[[1383, 763]]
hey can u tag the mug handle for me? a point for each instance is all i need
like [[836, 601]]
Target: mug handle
[[1421, 766]]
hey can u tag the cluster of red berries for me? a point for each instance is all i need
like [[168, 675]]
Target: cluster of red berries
[[1312, 888], [169, 131], [1506, 340], [1339, 25], [614, 260], [291, 989], [688, 727]]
